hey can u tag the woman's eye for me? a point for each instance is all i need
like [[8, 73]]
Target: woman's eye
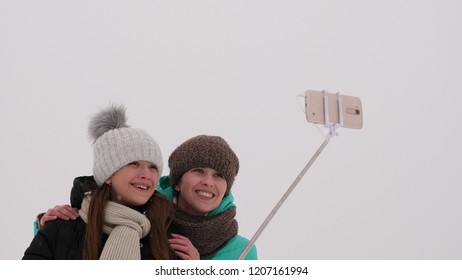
[[153, 167], [219, 175], [134, 163]]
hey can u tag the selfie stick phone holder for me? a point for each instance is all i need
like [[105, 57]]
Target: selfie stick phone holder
[[332, 132]]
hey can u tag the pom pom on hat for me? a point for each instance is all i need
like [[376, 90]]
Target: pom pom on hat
[[115, 144], [108, 119]]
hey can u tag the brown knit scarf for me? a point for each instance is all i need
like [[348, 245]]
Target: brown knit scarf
[[207, 234]]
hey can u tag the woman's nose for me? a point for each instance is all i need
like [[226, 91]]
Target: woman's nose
[[207, 180], [145, 173]]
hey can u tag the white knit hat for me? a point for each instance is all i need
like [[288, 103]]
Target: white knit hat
[[116, 144]]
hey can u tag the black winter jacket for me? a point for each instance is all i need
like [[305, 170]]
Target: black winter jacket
[[63, 240]]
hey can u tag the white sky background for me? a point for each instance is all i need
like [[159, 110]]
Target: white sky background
[[391, 190]]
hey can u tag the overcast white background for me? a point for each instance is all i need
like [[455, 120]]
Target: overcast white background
[[391, 190]]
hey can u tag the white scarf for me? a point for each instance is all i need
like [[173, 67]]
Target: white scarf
[[125, 228]]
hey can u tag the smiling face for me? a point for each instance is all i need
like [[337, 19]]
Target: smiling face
[[134, 184], [200, 190]]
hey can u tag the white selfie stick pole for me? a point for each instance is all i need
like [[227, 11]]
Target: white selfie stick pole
[[332, 133]]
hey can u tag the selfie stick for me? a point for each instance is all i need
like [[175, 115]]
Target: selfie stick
[[332, 132]]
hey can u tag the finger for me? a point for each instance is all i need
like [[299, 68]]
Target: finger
[[71, 209], [182, 255], [190, 251], [178, 247], [47, 218], [70, 213], [183, 247], [179, 236], [63, 212], [187, 249], [189, 255], [66, 209], [54, 214], [179, 241], [186, 252]]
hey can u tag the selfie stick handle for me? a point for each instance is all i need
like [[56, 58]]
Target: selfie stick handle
[[332, 132], [287, 193]]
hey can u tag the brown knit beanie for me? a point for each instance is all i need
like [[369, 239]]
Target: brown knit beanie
[[204, 151]]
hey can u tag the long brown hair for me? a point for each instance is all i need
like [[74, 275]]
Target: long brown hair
[[159, 211]]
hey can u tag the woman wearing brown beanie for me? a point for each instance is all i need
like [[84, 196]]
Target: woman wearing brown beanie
[[202, 172]]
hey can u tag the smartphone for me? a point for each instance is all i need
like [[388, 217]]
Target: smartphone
[[350, 112]]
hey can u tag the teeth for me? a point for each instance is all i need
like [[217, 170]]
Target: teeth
[[141, 187], [206, 194]]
